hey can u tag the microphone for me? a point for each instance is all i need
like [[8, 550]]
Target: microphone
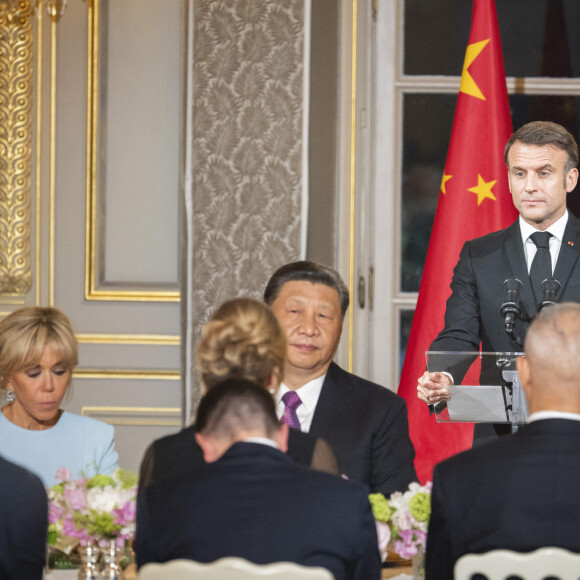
[[510, 309], [550, 288]]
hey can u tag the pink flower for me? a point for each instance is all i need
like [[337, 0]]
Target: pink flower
[[126, 514], [69, 529], [63, 474], [75, 497], [54, 513], [405, 550], [384, 537]]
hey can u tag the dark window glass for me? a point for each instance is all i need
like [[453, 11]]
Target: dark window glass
[[405, 320], [427, 122], [539, 37]]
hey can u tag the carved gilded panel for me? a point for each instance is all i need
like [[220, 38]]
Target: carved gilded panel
[[16, 52]]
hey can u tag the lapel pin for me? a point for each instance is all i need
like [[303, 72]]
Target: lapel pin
[[570, 243]]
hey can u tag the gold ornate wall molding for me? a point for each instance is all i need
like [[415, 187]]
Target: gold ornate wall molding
[[16, 54], [97, 287]]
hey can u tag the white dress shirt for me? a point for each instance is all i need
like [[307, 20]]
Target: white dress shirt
[[539, 415], [557, 231], [262, 441], [309, 394]]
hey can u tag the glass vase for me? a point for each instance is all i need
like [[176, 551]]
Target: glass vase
[[89, 555], [419, 566], [111, 564]]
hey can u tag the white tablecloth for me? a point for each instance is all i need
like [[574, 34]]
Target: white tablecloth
[[61, 574]]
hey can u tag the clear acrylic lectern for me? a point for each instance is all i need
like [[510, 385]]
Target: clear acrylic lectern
[[486, 388]]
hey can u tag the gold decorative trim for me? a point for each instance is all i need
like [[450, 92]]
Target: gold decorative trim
[[39, 85], [91, 147], [150, 339], [92, 292], [114, 415], [16, 57], [7, 301], [126, 374], [352, 186], [52, 156]]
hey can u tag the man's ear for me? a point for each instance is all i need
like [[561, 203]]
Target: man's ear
[[209, 447], [281, 437], [571, 179], [523, 368]]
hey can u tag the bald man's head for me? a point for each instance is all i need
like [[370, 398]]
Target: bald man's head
[[550, 373]]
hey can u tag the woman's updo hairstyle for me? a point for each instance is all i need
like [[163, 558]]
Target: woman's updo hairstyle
[[242, 340], [25, 332]]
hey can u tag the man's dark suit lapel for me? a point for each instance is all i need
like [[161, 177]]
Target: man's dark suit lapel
[[328, 410], [568, 255]]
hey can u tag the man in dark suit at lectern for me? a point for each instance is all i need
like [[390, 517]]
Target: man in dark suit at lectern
[[519, 492], [365, 424], [252, 501], [544, 243]]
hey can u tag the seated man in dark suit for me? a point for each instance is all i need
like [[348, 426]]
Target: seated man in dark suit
[[520, 492], [251, 501], [365, 424], [23, 523]]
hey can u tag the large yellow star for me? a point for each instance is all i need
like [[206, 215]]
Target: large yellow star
[[483, 189], [445, 179], [468, 85]]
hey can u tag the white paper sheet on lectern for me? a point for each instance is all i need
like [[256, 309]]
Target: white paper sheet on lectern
[[476, 403]]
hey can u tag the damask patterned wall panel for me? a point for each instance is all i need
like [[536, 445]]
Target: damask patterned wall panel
[[248, 94], [247, 113]]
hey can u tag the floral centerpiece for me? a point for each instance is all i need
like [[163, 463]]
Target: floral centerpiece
[[98, 508], [402, 520]]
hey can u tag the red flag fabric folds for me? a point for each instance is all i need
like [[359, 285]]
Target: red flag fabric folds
[[474, 200]]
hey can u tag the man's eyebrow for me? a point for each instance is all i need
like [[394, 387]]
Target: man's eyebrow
[[545, 166], [296, 298]]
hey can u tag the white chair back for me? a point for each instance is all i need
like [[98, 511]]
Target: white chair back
[[536, 565], [231, 569]]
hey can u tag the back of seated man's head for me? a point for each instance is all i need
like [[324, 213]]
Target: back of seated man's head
[[233, 411], [550, 372]]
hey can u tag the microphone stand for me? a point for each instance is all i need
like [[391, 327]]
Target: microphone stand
[[510, 309], [550, 288]]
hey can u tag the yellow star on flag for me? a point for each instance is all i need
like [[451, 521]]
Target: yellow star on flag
[[468, 85], [483, 189], [445, 179]]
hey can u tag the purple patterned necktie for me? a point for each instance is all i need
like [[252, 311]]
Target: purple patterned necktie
[[291, 401]]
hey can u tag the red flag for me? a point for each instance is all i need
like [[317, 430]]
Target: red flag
[[474, 200]]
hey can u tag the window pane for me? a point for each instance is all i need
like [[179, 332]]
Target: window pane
[[405, 320], [427, 122], [437, 32]]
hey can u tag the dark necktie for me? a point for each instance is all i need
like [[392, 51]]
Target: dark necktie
[[291, 401], [541, 267]]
